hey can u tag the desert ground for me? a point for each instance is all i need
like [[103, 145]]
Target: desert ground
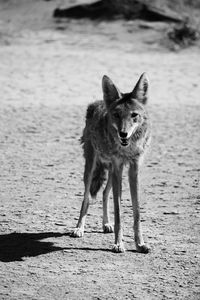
[[49, 72]]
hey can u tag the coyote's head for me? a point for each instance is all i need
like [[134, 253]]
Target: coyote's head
[[126, 111]]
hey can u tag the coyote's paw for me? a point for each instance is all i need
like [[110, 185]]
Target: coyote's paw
[[107, 228], [77, 233], [118, 248], [143, 249]]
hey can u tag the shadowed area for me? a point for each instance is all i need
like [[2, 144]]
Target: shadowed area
[[106, 10], [14, 246], [92, 11]]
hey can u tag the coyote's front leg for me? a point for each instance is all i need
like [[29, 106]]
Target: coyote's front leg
[[134, 188], [107, 227], [90, 163], [117, 190]]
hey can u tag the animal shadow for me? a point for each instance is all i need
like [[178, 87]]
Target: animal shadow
[[15, 246]]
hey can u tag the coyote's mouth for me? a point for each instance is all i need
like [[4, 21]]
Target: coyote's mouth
[[124, 142]]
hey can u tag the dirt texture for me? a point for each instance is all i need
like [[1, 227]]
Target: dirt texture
[[49, 72]]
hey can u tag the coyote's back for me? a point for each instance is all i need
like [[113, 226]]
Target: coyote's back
[[117, 132]]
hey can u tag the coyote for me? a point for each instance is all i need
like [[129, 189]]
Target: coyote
[[117, 132]]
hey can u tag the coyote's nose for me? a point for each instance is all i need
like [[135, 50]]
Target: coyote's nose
[[123, 134]]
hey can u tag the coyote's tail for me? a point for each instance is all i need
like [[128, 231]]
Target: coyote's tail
[[99, 176]]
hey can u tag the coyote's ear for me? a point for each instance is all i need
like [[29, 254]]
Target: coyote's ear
[[110, 91], [140, 91]]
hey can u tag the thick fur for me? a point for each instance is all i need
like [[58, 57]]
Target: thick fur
[[99, 176], [117, 132]]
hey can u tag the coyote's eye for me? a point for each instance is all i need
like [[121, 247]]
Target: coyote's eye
[[116, 115], [134, 115]]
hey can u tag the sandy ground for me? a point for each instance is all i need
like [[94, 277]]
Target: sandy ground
[[49, 72]]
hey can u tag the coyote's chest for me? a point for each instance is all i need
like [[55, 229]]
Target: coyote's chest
[[108, 148]]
